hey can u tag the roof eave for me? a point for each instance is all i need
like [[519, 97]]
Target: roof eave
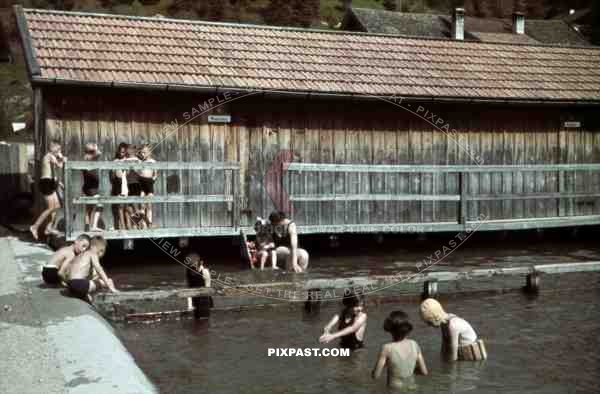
[[33, 67], [39, 81]]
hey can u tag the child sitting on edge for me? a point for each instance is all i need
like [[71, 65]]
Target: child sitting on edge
[[62, 257], [265, 247], [84, 274], [402, 357], [459, 340], [352, 323]]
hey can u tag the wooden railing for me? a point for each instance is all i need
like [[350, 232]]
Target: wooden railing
[[182, 192], [562, 183]]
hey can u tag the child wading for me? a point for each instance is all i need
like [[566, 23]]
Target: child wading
[[459, 340], [198, 275], [62, 257], [402, 357], [352, 323]]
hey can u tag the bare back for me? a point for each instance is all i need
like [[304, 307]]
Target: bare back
[[46, 167], [61, 256]]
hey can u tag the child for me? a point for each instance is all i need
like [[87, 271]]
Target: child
[[459, 340], [48, 186], [91, 184], [132, 218], [402, 357], [146, 180], [264, 244], [63, 256], [84, 274], [352, 323], [198, 275], [118, 181]]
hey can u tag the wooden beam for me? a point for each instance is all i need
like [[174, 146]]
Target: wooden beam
[[406, 168], [125, 296], [161, 165], [529, 196], [168, 199], [376, 197]]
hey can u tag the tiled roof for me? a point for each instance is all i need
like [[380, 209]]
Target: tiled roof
[[552, 31], [504, 37], [93, 48]]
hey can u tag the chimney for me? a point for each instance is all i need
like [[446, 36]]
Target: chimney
[[458, 24], [518, 23]]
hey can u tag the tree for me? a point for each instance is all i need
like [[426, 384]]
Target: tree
[[390, 5], [305, 12], [535, 9], [278, 12], [216, 10], [596, 23]]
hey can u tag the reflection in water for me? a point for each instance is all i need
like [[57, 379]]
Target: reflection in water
[[543, 345]]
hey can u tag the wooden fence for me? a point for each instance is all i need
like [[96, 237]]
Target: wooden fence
[[190, 199], [205, 198]]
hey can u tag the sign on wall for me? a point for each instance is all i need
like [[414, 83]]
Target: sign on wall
[[572, 124], [219, 118]]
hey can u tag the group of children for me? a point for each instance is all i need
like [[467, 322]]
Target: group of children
[[403, 357], [77, 267], [123, 183]]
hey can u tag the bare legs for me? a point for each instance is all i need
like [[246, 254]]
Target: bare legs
[[52, 204]]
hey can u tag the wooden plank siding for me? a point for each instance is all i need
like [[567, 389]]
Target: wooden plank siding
[[342, 132]]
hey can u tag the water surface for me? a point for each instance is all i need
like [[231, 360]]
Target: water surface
[[548, 344]]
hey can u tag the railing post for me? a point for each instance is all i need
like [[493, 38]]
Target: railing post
[[234, 194], [67, 200], [463, 204]]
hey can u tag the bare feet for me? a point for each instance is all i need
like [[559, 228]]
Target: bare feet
[[34, 231]]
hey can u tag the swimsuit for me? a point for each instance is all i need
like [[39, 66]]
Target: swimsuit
[[79, 288], [48, 186], [349, 341], [91, 183], [146, 185], [50, 275]]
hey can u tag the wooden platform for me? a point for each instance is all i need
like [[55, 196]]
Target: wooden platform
[[144, 305]]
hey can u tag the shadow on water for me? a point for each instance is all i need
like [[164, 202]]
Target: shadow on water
[[543, 345]]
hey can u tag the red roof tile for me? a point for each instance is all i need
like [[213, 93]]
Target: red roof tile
[[109, 48]]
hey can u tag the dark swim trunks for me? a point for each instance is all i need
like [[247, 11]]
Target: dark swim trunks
[[91, 183], [50, 275], [48, 186], [147, 185], [79, 288]]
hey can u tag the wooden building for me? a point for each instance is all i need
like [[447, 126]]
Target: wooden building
[[384, 133]]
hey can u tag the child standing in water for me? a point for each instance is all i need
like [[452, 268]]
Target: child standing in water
[[352, 323], [459, 340], [402, 357]]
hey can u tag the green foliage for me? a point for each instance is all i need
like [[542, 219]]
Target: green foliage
[[390, 5]]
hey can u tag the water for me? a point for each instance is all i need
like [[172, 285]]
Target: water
[[549, 344]]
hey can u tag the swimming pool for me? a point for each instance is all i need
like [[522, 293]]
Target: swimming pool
[[547, 344]]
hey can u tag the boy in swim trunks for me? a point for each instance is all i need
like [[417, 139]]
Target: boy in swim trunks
[[63, 256], [48, 186], [91, 184], [402, 357], [146, 179], [84, 274]]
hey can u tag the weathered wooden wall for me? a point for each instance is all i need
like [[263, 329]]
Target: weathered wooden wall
[[340, 131]]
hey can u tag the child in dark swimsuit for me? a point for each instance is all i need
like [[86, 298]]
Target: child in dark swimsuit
[[91, 184], [352, 323]]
